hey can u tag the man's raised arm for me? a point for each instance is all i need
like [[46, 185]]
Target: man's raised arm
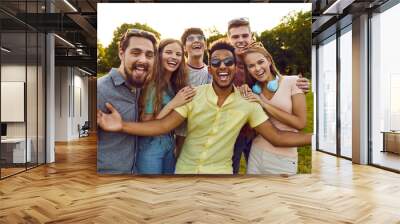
[[114, 123], [282, 138]]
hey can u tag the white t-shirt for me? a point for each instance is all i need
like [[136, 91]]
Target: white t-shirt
[[199, 76]]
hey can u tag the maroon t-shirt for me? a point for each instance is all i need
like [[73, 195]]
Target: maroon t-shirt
[[238, 80]]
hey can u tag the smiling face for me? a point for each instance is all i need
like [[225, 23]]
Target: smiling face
[[240, 37], [195, 45], [224, 73], [172, 57], [137, 60], [258, 66]]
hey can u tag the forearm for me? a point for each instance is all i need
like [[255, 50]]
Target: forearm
[[165, 111], [154, 127], [146, 128], [283, 116], [290, 139]]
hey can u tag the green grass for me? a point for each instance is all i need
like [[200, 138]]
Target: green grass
[[304, 163], [101, 74], [304, 153]]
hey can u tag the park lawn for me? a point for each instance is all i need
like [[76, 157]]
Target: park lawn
[[304, 153]]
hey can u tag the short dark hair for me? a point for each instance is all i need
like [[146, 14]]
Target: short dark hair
[[222, 44], [124, 43], [190, 31]]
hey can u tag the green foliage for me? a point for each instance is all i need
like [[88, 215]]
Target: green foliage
[[290, 44], [102, 63], [111, 58], [304, 153]]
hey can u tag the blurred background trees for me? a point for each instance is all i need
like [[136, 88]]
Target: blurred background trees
[[289, 43]]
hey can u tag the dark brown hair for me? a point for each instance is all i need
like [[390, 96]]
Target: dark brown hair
[[190, 31], [124, 42], [237, 23]]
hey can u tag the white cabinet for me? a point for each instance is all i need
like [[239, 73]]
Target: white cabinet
[[18, 149]]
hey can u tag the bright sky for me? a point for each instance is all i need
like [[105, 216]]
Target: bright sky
[[171, 19]]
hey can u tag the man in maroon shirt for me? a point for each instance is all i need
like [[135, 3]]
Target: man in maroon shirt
[[239, 34]]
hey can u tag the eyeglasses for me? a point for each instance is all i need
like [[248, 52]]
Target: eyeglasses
[[216, 63], [192, 38], [141, 33], [241, 20]]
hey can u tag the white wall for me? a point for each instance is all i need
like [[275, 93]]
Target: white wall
[[15, 72], [70, 83], [61, 103], [33, 126]]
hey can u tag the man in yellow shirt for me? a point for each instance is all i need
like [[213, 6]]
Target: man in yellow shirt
[[215, 116]]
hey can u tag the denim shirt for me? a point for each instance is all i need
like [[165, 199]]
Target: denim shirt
[[117, 152]]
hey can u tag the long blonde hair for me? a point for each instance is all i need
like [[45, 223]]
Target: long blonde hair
[[258, 47]]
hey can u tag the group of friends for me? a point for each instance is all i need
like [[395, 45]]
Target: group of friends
[[164, 111]]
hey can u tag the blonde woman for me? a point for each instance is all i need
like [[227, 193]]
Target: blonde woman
[[284, 103]]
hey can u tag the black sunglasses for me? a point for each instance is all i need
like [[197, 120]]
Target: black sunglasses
[[216, 63]]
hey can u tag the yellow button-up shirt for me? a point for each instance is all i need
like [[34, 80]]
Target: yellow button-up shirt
[[212, 130]]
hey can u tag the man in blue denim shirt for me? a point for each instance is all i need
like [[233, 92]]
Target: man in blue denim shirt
[[116, 152]]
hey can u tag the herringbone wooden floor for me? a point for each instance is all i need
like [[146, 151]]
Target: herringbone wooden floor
[[70, 191]]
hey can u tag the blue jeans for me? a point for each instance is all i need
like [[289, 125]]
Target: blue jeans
[[242, 145], [156, 155]]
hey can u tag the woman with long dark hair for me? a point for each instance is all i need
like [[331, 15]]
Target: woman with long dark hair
[[165, 91]]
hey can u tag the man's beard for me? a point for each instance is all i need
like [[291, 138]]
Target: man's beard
[[135, 82]]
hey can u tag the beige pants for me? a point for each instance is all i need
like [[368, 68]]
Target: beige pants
[[264, 162]]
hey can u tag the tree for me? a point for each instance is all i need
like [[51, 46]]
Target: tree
[[213, 35], [102, 64], [290, 44], [111, 52]]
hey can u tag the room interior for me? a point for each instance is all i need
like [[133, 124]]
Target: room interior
[[48, 92]]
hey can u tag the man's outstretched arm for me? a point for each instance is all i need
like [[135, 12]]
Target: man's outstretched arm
[[282, 138], [114, 123]]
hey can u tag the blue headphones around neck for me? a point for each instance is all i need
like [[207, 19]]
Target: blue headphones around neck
[[271, 86]]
